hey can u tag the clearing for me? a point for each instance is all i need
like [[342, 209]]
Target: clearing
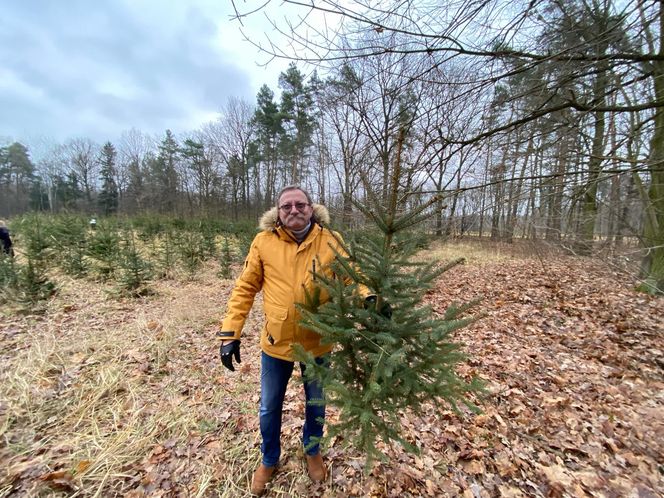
[[112, 397]]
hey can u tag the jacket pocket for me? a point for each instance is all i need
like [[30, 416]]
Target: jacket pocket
[[277, 326]]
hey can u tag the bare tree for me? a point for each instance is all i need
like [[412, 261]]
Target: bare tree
[[229, 138], [82, 155], [348, 150], [581, 57], [51, 166], [134, 149]]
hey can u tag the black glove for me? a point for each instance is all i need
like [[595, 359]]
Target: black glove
[[385, 308], [226, 353]]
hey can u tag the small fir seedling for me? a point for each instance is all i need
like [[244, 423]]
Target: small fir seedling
[[71, 245], [135, 271], [208, 241], [28, 281], [165, 254], [191, 251], [103, 248], [9, 278], [225, 260], [34, 283]]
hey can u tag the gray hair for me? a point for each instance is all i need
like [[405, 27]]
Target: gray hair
[[288, 188]]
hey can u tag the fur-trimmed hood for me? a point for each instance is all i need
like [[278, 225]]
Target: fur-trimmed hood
[[270, 218]]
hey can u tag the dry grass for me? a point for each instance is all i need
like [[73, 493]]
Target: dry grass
[[484, 251], [94, 385], [103, 396], [97, 389]]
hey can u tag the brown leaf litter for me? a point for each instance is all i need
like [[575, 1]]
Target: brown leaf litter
[[128, 398]]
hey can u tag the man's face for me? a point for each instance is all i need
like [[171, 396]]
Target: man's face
[[292, 217]]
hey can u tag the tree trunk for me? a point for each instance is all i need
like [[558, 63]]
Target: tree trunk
[[449, 228], [653, 235], [484, 192], [555, 206], [499, 196], [515, 191]]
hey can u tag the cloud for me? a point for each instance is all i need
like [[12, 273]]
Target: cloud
[[94, 69]]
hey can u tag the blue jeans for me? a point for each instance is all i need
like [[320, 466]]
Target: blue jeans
[[275, 374]]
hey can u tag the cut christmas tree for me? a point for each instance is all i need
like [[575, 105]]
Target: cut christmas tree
[[392, 352]]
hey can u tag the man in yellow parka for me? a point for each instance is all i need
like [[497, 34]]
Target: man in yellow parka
[[283, 259]]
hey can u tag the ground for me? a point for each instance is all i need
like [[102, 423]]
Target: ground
[[126, 397]]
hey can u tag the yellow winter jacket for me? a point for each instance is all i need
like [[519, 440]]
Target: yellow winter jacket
[[282, 269]]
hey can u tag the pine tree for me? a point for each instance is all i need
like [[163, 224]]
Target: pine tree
[[68, 190], [201, 171], [17, 172], [108, 196], [165, 175], [268, 124], [387, 359], [298, 123]]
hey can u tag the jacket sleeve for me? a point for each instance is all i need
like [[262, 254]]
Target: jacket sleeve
[[248, 284]]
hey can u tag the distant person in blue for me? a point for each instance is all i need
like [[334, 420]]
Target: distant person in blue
[[6, 240]]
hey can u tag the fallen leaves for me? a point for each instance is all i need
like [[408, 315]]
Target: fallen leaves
[[61, 480], [572, 360], [568, 382], [82, 466]]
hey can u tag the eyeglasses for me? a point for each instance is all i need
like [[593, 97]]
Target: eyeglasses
[[300, 206]]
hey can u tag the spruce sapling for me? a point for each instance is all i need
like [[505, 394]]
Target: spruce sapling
[[384, 364]]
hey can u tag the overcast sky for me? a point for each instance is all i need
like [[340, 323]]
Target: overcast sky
[[80, 68]]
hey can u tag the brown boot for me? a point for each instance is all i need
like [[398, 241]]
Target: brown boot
[[316, 467], [260, 479]]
